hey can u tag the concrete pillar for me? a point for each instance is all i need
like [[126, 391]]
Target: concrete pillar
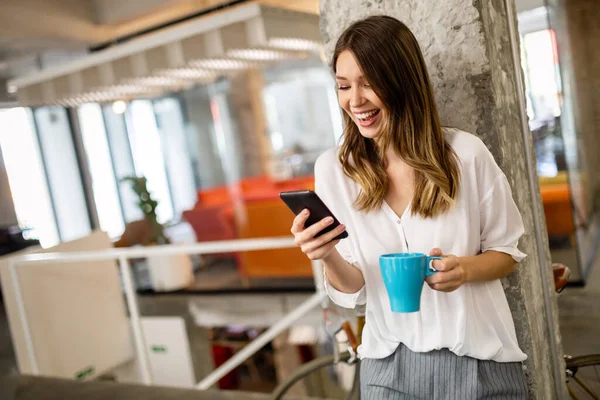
[[577, 27], [248, 110], [471, 61], [8, 217]]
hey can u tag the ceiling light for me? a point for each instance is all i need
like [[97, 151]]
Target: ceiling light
[[157, 81], [259, 54], [187, 73], [295, 44], [119, 107], [124, 89], [222, 64]]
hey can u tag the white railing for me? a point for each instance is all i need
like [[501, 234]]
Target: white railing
[[123, 256]]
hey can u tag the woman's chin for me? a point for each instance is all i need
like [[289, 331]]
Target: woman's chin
[[370, 132]]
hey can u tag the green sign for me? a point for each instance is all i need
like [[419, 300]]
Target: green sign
[[159, 349], [84, 373]]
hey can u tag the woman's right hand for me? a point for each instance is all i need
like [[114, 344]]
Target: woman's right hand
[[316, 248]]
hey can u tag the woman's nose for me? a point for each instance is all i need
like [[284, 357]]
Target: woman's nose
[[356, 99]]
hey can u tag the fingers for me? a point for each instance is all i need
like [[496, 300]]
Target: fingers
[[443, 277], [435, 252], [323, 239], [315, 247], [304, 235], [312, 230], [446, 281], [321, 251], [299, 221], [445, 287], [447, 263]]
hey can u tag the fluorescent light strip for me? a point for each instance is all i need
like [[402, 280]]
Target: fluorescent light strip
[[222, 64], [160, 81], [260, 54], [187, 73], [296, 44]]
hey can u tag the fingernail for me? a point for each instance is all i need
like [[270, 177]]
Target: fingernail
[[305, 212], [342, 227], [328, 220]]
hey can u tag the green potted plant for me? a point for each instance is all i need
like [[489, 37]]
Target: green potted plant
[[167, 272], [148, 206]]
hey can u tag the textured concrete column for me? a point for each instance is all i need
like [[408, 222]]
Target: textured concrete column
[[469, 54], [8, 217]]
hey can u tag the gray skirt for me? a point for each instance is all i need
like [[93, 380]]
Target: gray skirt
[[440, 375]]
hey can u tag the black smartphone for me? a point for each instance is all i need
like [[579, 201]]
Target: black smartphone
[[298, 200]]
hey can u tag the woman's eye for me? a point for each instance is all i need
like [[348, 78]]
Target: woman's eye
[[366, 85], [340, 87]]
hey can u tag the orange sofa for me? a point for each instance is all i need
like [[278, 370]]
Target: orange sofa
[[556, 199], [252, 209], [270, 218], [558, 208]]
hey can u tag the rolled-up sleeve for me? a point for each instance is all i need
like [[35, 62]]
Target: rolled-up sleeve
[[501, 222], [325, 188], [346, 300]]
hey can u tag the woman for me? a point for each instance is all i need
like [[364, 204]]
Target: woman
[[402, 183]]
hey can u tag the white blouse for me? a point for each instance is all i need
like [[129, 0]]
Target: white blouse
[[475, 319]]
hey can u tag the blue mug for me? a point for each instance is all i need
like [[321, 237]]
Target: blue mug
[[404, 275]]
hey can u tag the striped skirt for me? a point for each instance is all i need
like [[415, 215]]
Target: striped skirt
[[440, 375]]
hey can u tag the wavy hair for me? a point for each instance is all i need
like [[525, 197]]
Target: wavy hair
[[391, 61]]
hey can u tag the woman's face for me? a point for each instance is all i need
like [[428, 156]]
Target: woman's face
[[357, 97]]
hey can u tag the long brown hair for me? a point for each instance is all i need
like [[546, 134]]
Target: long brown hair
[[391, 61]]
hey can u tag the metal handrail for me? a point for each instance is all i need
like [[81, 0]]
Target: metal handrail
[[123, 255]]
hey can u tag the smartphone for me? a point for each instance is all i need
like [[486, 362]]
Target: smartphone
[[298, 200]]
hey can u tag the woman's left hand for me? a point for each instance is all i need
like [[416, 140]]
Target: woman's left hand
[[451, 274]]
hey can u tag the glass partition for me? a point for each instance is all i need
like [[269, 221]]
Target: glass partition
[[122, 159], [200, 127], [302, 113], [175, 143], [62, 171], [100, 164], [148, 155], [26, 176]]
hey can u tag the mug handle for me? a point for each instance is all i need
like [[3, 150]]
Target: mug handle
[[430, 270]]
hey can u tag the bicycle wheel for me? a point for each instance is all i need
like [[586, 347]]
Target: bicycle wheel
[[583, 376]]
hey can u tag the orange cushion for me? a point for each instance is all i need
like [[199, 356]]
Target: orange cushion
[[214, 196], [271, 218], [558, 193], [301, 183], [556, 199]]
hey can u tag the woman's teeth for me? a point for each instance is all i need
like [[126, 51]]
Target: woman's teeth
[[366, 116]]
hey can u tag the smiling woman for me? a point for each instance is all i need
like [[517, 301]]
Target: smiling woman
[[394, 186]]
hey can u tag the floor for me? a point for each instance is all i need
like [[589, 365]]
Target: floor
[[8, 364], [579, 316], [579, 313]]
